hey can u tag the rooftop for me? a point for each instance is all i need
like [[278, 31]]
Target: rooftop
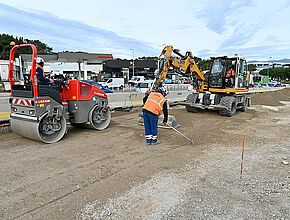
[[71, 57]]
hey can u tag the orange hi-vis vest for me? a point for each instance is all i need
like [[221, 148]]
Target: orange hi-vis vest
[[155, 103], [40, 68], [230, 73]]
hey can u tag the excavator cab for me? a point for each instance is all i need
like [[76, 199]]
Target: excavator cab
[[228, 73]]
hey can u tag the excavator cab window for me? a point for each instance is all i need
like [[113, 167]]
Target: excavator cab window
[[217, 73], [242, 76], [231, 72]]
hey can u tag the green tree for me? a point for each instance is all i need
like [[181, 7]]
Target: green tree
[[277, 73], [147, 58], [5, 47], [204, 64], [252, 67]]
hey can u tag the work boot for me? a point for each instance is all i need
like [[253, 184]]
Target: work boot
[[156, 142], [148, 143]]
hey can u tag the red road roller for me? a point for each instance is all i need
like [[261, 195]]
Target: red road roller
[[43, 112]]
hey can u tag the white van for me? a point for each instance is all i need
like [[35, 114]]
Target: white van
[[145, 86], [135, 80], [114, 83]]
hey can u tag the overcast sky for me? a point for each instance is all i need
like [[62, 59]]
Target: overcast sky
[[255, 29]]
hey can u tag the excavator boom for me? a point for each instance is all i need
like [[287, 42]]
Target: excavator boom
[[184, 65]]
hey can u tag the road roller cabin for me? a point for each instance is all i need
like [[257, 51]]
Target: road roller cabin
[[43, 112]]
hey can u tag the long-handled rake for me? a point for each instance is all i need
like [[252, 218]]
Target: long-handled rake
[[191, 141]]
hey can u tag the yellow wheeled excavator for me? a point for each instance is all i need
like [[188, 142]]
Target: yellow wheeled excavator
[[225, 87]]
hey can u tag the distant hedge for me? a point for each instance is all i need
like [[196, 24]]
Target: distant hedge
[[280, 73]]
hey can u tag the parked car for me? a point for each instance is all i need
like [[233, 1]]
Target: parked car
[[168, 81], [272, 84], [144, 86], [135, 80], [187, 81], [114, 83], [257, 85], [106, 90]]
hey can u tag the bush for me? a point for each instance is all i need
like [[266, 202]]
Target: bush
[[277, 73]]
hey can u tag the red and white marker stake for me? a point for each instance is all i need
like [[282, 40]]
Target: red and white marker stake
[[242, 161]]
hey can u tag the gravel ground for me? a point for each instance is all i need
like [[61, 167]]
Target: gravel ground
[[213, 189], [113, 174]]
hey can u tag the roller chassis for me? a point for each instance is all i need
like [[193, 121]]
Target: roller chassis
[[47, 116], [43, 112]]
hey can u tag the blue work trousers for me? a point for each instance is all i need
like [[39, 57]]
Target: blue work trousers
[[151, 127]]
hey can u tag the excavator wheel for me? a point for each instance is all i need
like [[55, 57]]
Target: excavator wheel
[[48, 129], [191, 98], [99, 117], [230, 103]]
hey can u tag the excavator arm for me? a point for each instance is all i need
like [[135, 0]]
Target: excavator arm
[[184, 65], [164, 66]]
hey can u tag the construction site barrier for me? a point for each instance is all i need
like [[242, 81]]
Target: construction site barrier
[[130, 99], [121, 100], [118, 100]]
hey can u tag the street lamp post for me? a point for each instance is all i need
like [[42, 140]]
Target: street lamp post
[[268, 74], [133, 62]]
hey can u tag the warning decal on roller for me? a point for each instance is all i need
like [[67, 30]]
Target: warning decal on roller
[[21, 101], [42, 101]]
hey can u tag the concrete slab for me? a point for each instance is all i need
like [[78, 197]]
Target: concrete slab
[[4, 109]]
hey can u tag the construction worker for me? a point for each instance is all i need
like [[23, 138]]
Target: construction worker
[[230, 76], [154, 104], [40, 72], [231, 72]]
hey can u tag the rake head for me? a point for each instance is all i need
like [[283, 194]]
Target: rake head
[[192, 143]]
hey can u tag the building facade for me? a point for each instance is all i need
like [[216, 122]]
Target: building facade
[[79, 65], [124, 68], [4, 69]]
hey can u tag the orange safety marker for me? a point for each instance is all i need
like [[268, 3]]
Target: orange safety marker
[[242, 161]]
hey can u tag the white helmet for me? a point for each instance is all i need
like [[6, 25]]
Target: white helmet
[[163, 90], [39, 60]]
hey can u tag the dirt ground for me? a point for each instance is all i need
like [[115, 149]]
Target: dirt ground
[[113, 174]]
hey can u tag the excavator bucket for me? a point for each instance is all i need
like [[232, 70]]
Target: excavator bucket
[[171, 121]]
